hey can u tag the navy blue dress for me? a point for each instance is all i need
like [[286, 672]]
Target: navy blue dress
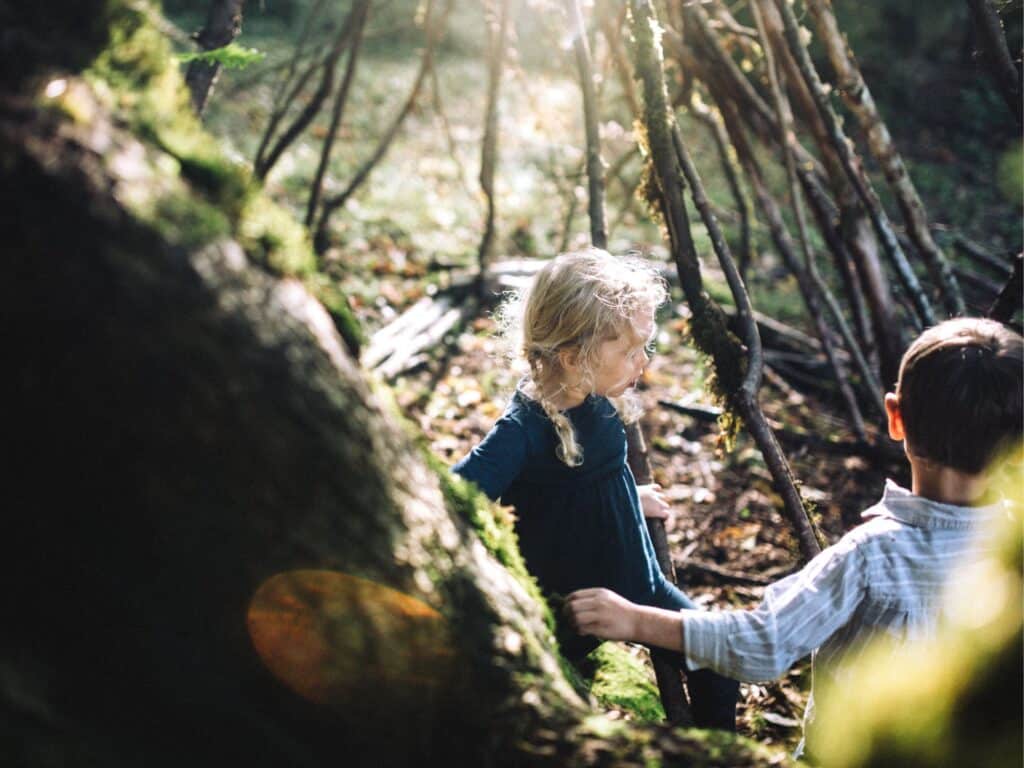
[[582, 526], [579, 526]]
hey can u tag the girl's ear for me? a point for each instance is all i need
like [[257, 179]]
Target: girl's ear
[[892, 410], [569, 359]]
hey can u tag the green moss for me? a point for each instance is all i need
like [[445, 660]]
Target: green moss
[[141, 82], [144, 85], [335, 300], [185, 220], [622, 681], [602, 727], [713, 339], [272, 237], [137, 52], [492, 523]]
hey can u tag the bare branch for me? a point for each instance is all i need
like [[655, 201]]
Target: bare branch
[[435, 29], [858, 98], [713, 120], [265, 162], [1008, 303], [708, 322], [362, 8], [855, 170], [787, 139], [289, 86]]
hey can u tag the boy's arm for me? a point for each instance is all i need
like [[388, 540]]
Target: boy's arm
[[796, 616], [605, 614]]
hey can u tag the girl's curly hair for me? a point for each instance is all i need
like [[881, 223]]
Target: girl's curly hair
[[577, 300]]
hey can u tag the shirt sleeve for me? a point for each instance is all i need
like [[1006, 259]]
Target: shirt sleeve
[[797, 615], [497, 460]]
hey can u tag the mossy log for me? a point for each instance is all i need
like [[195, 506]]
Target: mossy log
[[225, 547]]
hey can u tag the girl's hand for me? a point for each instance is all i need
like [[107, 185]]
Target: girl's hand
[[653, 503], [602, 613]]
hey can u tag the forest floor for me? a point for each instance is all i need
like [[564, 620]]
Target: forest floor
[[727, 537]]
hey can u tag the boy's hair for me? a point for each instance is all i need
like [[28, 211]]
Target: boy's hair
[[960, 393], [577, 300]]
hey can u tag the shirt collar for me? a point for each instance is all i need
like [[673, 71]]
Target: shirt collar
[[900, 504]]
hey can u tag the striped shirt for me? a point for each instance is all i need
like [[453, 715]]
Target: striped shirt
[[884, 577]]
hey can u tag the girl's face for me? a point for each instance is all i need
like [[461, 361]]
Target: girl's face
[[621, 361]]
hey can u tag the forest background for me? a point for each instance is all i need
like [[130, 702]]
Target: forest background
[[242, 447], [425, 211]]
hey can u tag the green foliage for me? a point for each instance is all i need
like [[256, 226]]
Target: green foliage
[[230, 56]]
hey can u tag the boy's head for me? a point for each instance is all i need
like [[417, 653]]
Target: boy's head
[[960, 393]]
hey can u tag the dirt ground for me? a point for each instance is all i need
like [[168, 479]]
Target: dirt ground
[[728, 537]]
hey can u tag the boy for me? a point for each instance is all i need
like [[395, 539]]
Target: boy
[[958, 410]]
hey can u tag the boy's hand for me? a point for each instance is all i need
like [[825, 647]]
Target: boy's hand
[[653, 503], [602, 613]]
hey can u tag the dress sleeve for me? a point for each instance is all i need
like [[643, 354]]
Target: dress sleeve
[[497, 460], [797, 615]]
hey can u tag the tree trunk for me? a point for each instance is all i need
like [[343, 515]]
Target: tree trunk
[[223, 25], [595, 167], [497, 37]]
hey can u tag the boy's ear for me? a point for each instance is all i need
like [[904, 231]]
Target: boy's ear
[[892, 410]]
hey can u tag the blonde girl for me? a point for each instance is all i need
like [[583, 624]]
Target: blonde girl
[[558, 453]]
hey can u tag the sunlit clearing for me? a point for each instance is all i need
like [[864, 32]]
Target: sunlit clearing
[[347, 642]]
